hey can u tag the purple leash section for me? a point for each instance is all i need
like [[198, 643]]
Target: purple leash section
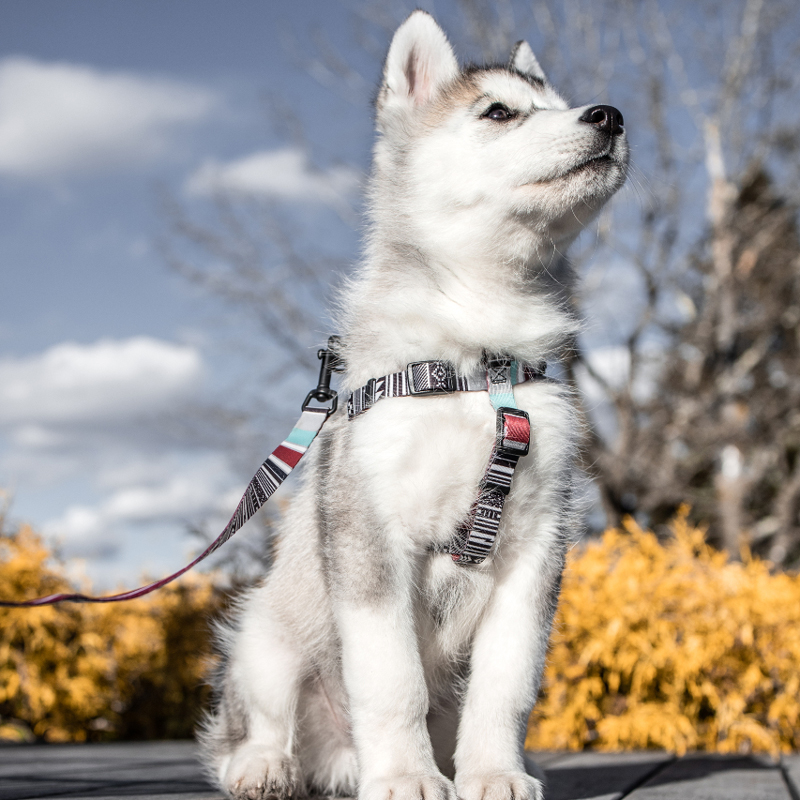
[[271, 474]]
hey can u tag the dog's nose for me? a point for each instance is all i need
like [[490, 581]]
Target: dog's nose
[[607, 118]]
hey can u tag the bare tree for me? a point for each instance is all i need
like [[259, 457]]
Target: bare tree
[[696, 266], [720, 426], [706, 414]]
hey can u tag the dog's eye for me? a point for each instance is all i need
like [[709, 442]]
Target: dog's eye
[[499, 113]]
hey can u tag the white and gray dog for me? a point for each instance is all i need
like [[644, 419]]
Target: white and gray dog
[[373, 660]]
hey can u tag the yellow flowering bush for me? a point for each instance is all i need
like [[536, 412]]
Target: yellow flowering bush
[[666, 645], [87, 672], [671, 645]]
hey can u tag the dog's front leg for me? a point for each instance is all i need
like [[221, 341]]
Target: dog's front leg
[[383, 673], [505, 671]]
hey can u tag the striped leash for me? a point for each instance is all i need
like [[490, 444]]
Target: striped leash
[[270, 475]]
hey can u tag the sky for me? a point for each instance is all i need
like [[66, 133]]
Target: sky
[[105, 108], [110, 361]]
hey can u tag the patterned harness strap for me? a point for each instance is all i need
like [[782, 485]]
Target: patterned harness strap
[[475, 537], [425, 378]]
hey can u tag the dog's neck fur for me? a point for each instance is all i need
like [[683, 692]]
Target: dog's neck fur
[[412, 301]]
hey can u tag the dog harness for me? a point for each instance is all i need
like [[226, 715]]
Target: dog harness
[[476, 535]]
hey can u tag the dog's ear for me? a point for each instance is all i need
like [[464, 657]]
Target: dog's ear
[[523, 60], [419, 63]]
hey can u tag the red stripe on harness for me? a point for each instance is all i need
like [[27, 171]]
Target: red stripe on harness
[[290, 457], [517, 429]]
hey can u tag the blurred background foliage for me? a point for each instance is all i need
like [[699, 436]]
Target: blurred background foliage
[[665, 644], [670, 644], [688, 368], [76, 672]]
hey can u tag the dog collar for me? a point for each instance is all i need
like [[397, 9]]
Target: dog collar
[[476, 535], [426, 378]]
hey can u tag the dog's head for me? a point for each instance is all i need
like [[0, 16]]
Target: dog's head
[[498, 143]]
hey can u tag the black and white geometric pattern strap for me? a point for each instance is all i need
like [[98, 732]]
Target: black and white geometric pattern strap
[[363, 398], [426, 378], [475, 537]]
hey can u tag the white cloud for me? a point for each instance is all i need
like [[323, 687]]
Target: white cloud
[[108, 380], [36, 437], [194, 489], [612, 365], [59, 117], [284, 174]]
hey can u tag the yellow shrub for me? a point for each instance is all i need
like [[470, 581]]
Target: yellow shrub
[[655, 645], [76, 672], [671, 646]]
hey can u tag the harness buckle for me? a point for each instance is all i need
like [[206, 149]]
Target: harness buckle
[[328, 396], [431, 377], [513, 432]]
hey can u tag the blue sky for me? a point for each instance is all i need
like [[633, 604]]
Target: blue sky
[[111, 364], [103, 106], [109, 361], [77, 229]]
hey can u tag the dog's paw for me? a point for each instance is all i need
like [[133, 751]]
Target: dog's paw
[[500, 786], [429, 786], [258, 774]]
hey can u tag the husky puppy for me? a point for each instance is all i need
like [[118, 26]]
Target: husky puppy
[[368, 662]]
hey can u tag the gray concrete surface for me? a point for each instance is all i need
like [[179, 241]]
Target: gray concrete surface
[[169, 771]]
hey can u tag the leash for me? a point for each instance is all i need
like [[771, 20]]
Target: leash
[[473, 539], [270, 475]]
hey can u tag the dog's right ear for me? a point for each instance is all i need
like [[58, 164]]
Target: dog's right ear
[[420, 62]]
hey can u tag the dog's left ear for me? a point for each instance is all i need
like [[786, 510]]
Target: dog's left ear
[[420, 62], [523, 60]]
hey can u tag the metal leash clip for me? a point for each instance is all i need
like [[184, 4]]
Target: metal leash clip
[[331, 362]]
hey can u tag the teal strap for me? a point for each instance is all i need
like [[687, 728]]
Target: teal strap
[[500, 376]]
